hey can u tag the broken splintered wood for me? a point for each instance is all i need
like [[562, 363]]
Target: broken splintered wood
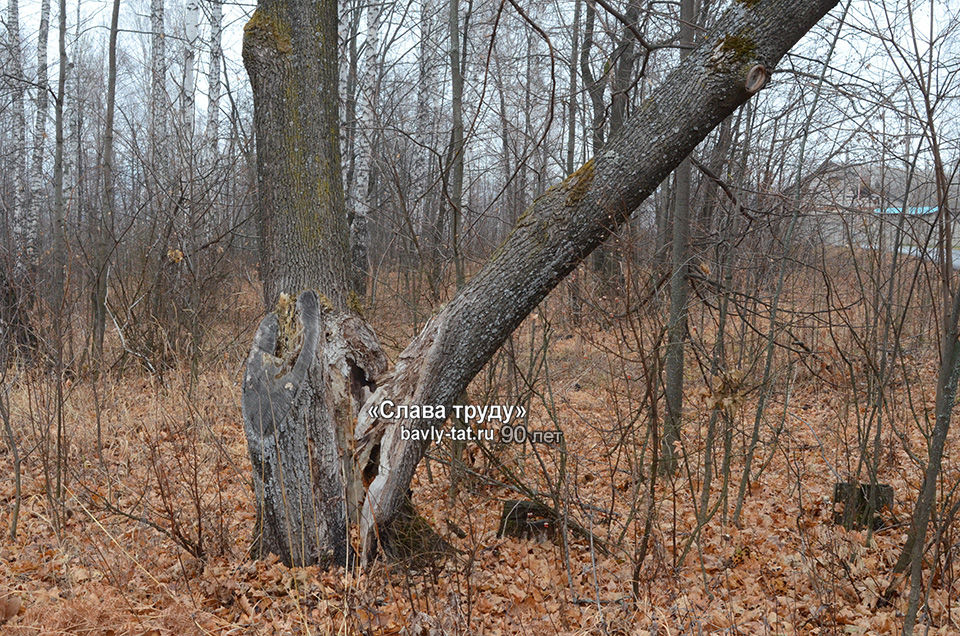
[[298, 399]]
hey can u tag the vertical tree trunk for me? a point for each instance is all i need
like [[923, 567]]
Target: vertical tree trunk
[[510, 196], [455, 150], [593, 85], [32, 217], [304, 384], [213, 93], [105, 234], [600, 259], [158, 88], [367, 141], [59, 208], [19, 126], [16, 287], [421, 169], [289, 51], [677, 326], [572, 104], [189, 95], [350, 30], [625, 57], [575, 293], [308, 373]]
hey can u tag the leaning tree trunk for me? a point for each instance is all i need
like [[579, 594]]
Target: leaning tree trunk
[[305, 384], [562, 227]]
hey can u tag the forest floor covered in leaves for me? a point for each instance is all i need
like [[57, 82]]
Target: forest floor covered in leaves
[[154, 530]]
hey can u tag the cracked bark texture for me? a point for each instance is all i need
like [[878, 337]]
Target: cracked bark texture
[[290, 400], [564, 225], [290, 53]]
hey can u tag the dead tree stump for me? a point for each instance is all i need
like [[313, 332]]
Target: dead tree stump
[[309, 370], [859, 506]]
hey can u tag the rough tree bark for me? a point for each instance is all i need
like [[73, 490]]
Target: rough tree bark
[[303, 384], [455, 149], [290, 53], [306, 374], [677, 324], [284, 50]]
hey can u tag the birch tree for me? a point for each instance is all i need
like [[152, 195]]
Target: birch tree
[[189, 93], [213, 75], [15, 286], [158, 89], [31, 220], [19, 125], [366, 140]]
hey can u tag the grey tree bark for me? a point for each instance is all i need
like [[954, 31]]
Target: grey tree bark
[[290, 53], [101, 259], [303, 384], [285, 46], [455, 149], [677, 325], [59, 208], [566, 224], [572, 104], [305, 377]]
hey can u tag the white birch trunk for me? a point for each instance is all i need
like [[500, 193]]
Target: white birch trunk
[[31, 220], [19, 138], [366, 140], [420, 171], [216, 58], [189, 95], [158, 88]]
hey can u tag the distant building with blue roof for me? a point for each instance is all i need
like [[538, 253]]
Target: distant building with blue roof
[[912, 211], [858, 205]]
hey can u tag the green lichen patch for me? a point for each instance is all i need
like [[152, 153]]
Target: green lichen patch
[[355, 303], [578, 184], [267, 30], [738, 48], [325, 304]]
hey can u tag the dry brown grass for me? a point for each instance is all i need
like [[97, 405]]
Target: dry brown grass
[[173, 477]]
